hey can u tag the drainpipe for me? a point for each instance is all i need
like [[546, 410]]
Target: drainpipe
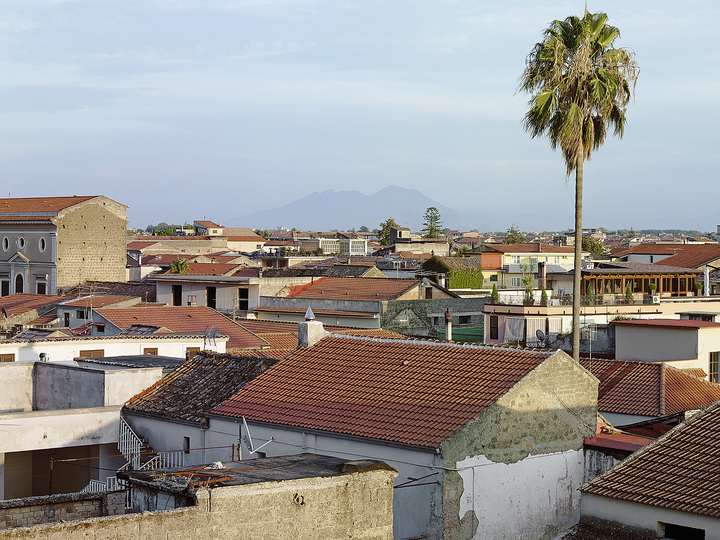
[[448, 325]]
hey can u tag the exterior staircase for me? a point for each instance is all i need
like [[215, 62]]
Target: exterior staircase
[[139, 455]]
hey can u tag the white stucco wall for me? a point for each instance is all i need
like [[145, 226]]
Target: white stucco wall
[[17, 386], [56, 429], [226, 294], [524, 492], [644, 516], [67, 350], [122, 384]]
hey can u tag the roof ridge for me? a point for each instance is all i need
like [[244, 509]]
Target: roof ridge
[[437, 343]]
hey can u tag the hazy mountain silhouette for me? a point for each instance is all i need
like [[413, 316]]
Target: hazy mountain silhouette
[[344, 210]]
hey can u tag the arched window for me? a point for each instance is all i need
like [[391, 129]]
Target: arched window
[[19, 283]]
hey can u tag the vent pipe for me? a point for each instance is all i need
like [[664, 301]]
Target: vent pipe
[[448, 325]]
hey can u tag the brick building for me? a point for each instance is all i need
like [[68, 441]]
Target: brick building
[[50, 243]]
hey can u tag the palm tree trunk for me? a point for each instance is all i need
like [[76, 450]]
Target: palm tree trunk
[[577, 264]]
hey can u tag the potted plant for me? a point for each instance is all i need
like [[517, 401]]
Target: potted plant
[[698, 287], [628, 294], [589, 294], [544, 297], [494, 296]]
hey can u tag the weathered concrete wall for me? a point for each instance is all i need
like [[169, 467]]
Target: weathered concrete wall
[[16, 387], [357, 505], [227, 294], [66, 387], [548, 413], [270, 286], [91, 242], [597, 463], [603, 344], [56, 508]]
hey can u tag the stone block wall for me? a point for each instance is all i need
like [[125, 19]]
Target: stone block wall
[[31, 511], [91, 242]]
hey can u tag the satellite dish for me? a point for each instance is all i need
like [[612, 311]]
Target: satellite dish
[[540, 335]]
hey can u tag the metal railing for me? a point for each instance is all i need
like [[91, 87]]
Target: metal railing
[[130, 446], [586, 300], [96, 486]]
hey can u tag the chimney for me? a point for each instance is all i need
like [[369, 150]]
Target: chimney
[[542, 275], [310, 331], [448, 325]]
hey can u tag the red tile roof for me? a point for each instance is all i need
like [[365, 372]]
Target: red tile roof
[[678, 471], [327, 312], [16, 304], [377, 289], [694, 256], [533, 247], [668, 323], [184, 319], [212, 269], [197, 386], [139, 245], [39, 204], [98, 301], [648, 388], [208, 224], [412, 392]]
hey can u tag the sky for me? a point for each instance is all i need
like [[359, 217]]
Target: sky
[[192, 109]]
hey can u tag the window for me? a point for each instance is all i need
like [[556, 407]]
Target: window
[[93, 353], [7, 357], [515, 259], [177, 295], [493, 277], [436, 321], [243, 296], [5, 287], [428, 293], [186, 445], [41, 288], [6, 243], [42, 244], [464, 319], [80, 314], [515, 282], [150, 350], [714, 361], [21, 242], [493, 326], [100, 328]]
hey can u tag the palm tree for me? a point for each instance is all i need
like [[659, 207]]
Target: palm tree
[[179, 266], [580, 86]]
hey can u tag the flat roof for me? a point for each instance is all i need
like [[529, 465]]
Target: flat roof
[[253, 471], [669, 323]]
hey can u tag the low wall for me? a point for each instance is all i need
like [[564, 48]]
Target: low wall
[[30, 511], [357, 505]]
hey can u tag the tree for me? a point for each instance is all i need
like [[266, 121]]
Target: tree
[[180, 266], [364, 229], [263, 232], [591, 245], [384, 233], [432, 223], [513, 236], [580, 86]]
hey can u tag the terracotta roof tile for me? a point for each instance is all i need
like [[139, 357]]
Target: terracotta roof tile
[[98, 301], [39, 204], [328, 312], [377, 289], [533, 247], [197, 386], [16, 304], [407, 391], [668, 323], [648, 388], [184, 319], [678, 471]]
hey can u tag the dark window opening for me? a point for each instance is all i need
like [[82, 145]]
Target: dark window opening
[[493, 277], [41, 288], [100, 328], [679, 532], [428, 293], [211, 297], [186, 445], [714, 376], [5, 288], [67, 320], [464, 319], [177, 295], [80, 313], [243, 299], [493, 326]]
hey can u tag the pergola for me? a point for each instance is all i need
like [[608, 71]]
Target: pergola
[[615, 281]]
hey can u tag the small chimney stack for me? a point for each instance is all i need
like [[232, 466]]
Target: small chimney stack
[[310, 331], [448, 325]]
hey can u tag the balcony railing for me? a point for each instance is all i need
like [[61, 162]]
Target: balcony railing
[[586, 300]]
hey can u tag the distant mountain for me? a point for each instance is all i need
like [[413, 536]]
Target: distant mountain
[[344, 210]]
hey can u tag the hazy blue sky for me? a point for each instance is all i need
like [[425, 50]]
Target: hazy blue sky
[[184, 109]]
